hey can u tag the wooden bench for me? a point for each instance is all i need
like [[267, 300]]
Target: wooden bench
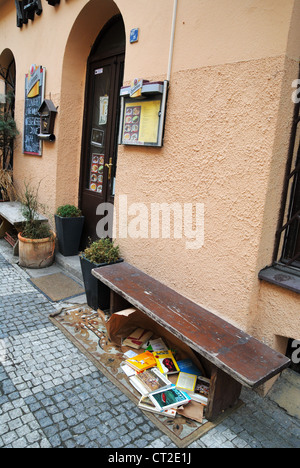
[[231, 357], [11, 217]]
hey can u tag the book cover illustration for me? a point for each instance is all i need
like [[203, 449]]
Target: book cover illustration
[[202, 386], [153, 380], [201, 392], [170, 398], [142, 361], [146, 404], [166, 362]]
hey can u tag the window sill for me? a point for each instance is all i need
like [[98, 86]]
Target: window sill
[[281, 275]]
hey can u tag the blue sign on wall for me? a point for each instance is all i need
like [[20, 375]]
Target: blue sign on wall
[[134, 35]]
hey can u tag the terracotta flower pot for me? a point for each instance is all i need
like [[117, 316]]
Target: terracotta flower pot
[[36, 253]]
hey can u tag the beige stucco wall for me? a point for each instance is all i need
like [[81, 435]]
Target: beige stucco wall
[[227, 132]]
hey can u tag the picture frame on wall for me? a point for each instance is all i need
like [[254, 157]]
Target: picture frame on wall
[[97, 138]]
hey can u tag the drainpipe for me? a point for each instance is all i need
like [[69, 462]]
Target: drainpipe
[[172, 40]]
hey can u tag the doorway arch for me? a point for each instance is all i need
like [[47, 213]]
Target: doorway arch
[[7, 102], [105, 71], [69, 128]]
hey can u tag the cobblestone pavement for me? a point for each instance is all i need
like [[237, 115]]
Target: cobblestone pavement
[[51, 395]]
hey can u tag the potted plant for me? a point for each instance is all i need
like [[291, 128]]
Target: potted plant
[[69, 225], [99, 253], [37, 240], [8, 133]]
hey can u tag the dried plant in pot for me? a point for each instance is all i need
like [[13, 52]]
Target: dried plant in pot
[[37, 240], [69, 225], [98, 254], [7, 189]]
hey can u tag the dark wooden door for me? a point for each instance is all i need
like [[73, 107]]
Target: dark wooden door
[[99, 151]]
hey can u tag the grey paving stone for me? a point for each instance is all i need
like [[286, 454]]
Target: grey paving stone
[[51, 395]]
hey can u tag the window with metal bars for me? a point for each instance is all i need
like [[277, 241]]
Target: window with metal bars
[[287, 246], [285, 269]]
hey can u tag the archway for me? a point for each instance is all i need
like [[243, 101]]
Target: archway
[[105, 73], [70, 130], [7, 107]]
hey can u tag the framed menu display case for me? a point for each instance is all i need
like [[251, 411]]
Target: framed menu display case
[[143, 108]]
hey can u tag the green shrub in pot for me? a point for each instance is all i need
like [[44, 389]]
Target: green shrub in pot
[[98, 254], [69, 225]]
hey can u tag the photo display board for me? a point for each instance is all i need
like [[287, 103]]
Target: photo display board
[[34, 96]]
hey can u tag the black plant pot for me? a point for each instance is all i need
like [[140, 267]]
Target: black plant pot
[[69, 231], [97, 293]]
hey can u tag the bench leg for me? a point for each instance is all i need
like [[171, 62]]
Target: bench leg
[[4, 227], [224, 393], [117, 303], [16, 249]]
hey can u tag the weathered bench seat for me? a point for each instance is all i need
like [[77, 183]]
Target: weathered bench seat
[[11, 216], [236, 358]]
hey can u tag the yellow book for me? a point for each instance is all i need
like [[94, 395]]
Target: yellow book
[[142, 361], [186, 381], [166, 362]]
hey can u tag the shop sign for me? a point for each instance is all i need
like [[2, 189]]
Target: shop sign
[[136, 88], [134, 35], [34, 96], [26, 10]]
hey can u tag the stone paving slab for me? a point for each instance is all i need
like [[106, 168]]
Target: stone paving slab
[[51, 395]]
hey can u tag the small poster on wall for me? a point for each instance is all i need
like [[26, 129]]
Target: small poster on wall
[[96, 173], [34, 96], [103, 110]]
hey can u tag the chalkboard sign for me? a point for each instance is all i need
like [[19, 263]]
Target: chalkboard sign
[[34, 96]]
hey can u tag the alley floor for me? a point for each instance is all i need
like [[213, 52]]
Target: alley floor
[[52, 396]]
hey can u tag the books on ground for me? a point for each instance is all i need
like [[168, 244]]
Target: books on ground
[[170, 398], [166, 362], [129, 371], [142, 361], [158, 345], [137, 338], [186, 381], [187, 366], [201, 391], [151, 380], [146, 404]]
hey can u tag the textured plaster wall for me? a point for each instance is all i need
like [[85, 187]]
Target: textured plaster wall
[[227, 131], [226, 117]]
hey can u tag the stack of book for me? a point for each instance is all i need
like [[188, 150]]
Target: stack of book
[[149, 374]]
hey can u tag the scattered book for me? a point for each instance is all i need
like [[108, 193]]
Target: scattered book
[[146, 404], [166, 362], [127, 370], [130, 354], [150, 381], [187, 366], [186, 381], [202, 386], [170, 398], [201, 392], [142, 361], [137, 338], [158, 345]]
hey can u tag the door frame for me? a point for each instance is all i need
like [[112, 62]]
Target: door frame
[[119, 54]]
